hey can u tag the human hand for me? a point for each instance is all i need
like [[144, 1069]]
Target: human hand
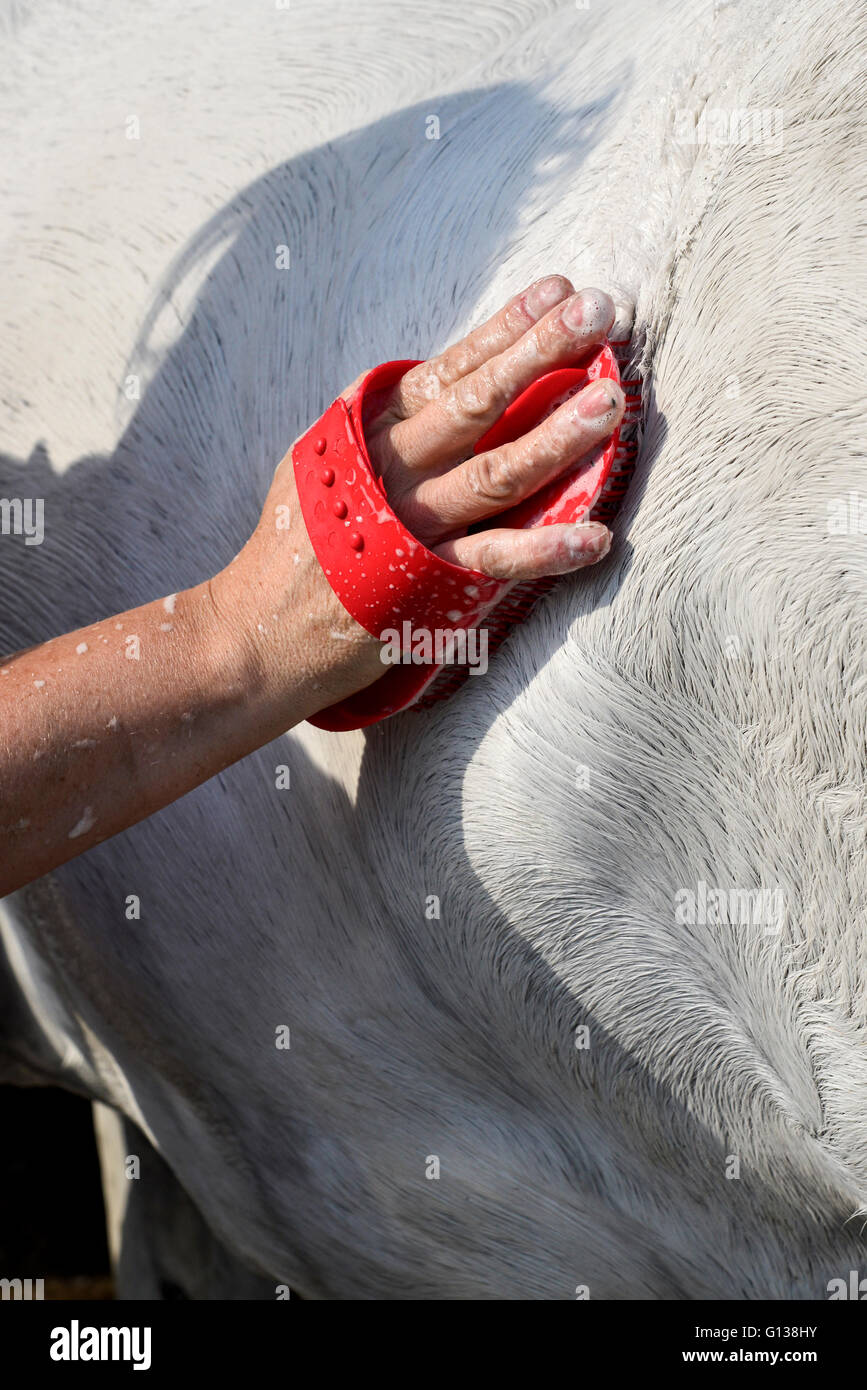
[[301, 640]]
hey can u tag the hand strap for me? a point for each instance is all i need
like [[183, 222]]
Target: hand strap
[[383, 576]]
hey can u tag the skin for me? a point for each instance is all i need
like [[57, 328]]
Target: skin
[[103, 726]]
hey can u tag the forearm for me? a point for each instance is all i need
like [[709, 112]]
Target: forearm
[[103, 726]]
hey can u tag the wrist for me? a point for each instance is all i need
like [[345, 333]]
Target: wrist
[[239, 663], [286, 652]]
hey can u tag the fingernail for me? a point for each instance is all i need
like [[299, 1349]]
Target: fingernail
[[543, 296], [588, 538], [598, 399], [590, 313]]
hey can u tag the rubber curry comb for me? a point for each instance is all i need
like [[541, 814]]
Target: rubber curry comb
[[392, 584]]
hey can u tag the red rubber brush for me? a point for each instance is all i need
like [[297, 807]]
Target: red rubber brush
[[385, 578]]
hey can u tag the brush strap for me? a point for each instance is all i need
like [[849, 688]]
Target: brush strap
[[386, 579]]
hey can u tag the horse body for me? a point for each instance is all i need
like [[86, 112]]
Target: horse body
[[559, 985]]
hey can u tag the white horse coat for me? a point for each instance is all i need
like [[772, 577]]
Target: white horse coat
[[535, 1045]]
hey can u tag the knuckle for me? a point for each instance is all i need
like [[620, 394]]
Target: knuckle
[[442, 373], [492, 478], [420, 385], [496, 560], [478, 395], [451, 366]]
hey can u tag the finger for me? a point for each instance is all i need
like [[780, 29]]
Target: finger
[[493, 481], [509, 554], [446, 430], [426, 381]]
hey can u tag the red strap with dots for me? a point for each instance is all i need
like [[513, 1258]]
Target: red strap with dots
[[379, 571], [383, 576]]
